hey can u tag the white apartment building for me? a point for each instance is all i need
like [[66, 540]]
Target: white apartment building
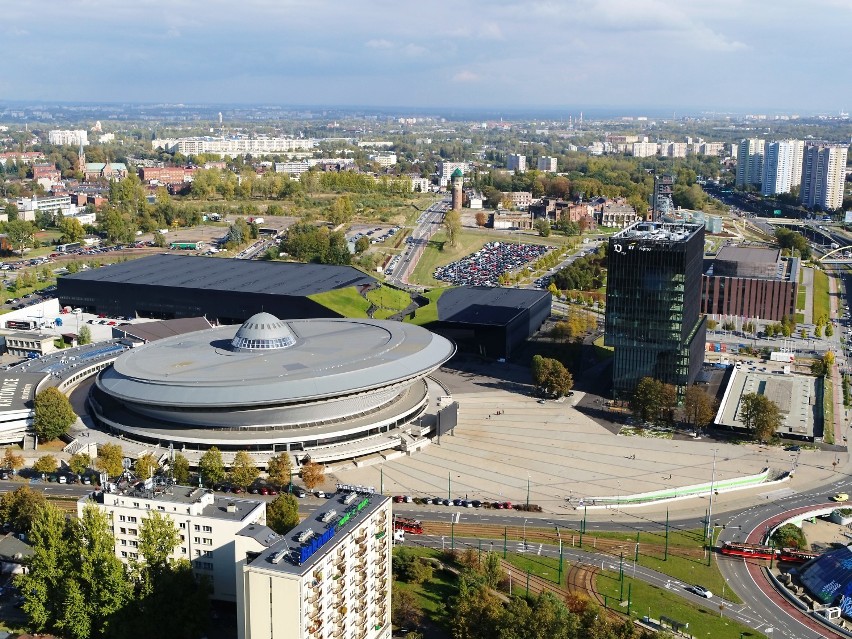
[[384, 159], [547, 164], [711, 148], [65, 136], [645, 149], [330, 578], [216, 532], [779, 167], [293, 168], [516, 162], [27, 206], [823, 175], [420, 184], [445, 170], [674, 149], [750, 161], [798, 158], [232, 147]]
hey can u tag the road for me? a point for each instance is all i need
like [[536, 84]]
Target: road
[[427, 224]]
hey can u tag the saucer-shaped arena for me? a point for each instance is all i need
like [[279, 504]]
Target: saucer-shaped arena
[[272, 385]]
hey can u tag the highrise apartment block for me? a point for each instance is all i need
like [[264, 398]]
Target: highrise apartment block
[[65, 137], [653, 305], [547, 164], [823, 175], [516, 162], [779, 166], [329, 578], [750, 162]]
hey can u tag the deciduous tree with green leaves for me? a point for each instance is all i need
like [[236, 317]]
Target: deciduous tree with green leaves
[[180, 470], [145, 466], [110, 459], [698, 407], [212, 466], [84, 336], [46, 464], [760, 415], [79, 463], [279, 469], [20, 507], [158, 538], [53, 414], [653, 401], [282, 514], [244, 470]]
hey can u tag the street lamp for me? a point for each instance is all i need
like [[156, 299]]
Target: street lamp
[[525, 534], [712, 487], [528, 491]]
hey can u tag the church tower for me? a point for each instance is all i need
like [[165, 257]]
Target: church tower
[[81, 159]]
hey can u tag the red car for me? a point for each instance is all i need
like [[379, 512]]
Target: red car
[[399, 499], [264, 491]]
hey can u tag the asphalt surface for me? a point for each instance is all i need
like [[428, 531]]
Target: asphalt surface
[[428, 223]]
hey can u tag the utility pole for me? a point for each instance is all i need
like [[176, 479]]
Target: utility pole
[[666, 553]]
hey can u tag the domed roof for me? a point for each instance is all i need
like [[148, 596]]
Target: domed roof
[[457, 173], [263, 331]]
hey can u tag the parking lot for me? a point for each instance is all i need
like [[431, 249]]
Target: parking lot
[[484, 267]]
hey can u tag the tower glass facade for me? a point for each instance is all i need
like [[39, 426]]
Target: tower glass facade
[[653, 311]]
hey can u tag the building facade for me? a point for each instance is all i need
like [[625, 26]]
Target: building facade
[[446, 169], [329, 579], [750, 162], [653, 305], [516, 162], [208, 526], [547, 164], [750, 282], [68, 137], [230, 147], [778, 167], [823, 176], [645, 149]]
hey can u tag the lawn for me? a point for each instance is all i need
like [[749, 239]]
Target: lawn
[[650, 600], [821, 300], [345, 301], [602, 352], [827, 410], [802, 298], [389, 298], [428, 313], [432, 595]]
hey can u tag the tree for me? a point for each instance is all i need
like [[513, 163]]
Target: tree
[[551, 377], [492, 570], [20, 234], [212, 466], [712, 324], [452, 224], [180, 470], [282, 514], [697, 407], [653, 401], [481, 218], [11, 211], [362, 244], [279, 469], [12, 460], [405, 609], [72, 229], [84, 336], [145, 466], [543, 227], [79, 463], [110, 459], [760, 415], [20, 507], [243, 471], [46, 464], [829, 330], [313, 474], [53, 414], [158, 538]]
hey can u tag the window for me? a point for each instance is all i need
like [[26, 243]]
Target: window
[[207, 529], [197, 553], [182, 526], [196, 540], [136, 504], [123, 531], [132, 520], [134, 544], [207, 541], [183, 550], [122, 518], [197, 528], [123, 542], [163, 508], [132, 531], [124, 554], [208, 553]]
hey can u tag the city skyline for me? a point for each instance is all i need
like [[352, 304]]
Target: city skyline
[[451, 55]]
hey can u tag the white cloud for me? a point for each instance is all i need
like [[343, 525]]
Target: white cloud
[[379, 44], [465, 77]]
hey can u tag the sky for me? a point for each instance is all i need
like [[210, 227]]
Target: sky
[[762, 56]]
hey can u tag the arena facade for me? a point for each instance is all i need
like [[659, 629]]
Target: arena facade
[[323, 385]]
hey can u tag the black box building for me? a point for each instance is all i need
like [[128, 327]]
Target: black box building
[[227, 291], [491, 321], [653, 305]]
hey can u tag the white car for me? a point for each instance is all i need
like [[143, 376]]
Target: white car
[[701, 591]]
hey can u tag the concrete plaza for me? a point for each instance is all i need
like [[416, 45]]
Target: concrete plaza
[[506, 444]]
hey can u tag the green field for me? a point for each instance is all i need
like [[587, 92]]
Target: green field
[[821, 300], [428, 313], [345, 301], [802, 298], [389, 298], [652, 601], [828, 410]]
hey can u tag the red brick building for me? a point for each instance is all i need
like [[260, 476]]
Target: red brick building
[[166, 174]]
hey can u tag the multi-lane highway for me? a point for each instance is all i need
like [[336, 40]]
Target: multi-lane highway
[[428, 223]]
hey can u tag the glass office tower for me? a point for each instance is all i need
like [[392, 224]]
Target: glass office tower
[[653, 305]]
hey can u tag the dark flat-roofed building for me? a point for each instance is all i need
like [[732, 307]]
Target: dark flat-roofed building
[[152, 331], [492, 321], [225, 290], [752, 282]]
